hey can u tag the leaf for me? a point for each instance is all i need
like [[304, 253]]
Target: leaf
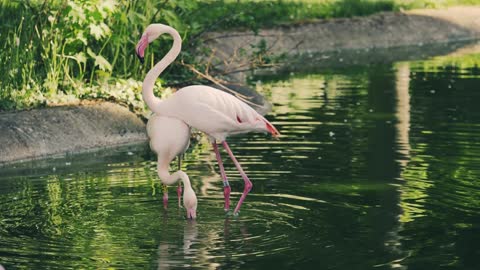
[[80, 57], [96, 31], [172, 19], [80, 36], [102, 63], [76, 12], [98, 15], [108, 5], [105, 28], [91, 53]]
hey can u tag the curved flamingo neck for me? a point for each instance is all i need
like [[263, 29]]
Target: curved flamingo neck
[[170, 179], [150, 99]]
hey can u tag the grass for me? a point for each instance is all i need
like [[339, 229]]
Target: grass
[[60, 51]]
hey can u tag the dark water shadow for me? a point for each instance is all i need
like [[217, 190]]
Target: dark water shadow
[[317, 62]]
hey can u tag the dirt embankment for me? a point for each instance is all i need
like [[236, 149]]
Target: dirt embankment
[[376, 32], [60, 130]]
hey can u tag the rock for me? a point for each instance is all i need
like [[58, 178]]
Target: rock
[[59, 130]]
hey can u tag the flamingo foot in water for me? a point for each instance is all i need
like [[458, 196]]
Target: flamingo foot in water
[[165, 200], [165, 195], [226, 195], [246, 190], [248, 184]]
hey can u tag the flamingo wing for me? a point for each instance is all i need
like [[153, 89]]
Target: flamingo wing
[[215, 112]]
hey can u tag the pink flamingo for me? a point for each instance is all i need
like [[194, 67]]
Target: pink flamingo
[[212, 111], [170, 137]]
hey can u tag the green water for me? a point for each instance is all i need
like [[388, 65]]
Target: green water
[[378, 167]]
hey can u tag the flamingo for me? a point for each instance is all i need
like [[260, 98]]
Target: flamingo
[[170, 137], [212, 111]]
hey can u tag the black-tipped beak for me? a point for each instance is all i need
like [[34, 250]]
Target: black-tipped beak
[[142, 60], [140, 48]]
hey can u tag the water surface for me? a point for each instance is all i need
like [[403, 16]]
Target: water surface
[[378, 167]]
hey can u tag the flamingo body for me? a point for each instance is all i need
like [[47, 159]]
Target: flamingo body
[[169, 138], [214, 112]]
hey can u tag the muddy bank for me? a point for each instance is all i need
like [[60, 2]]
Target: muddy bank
[[336, 37], [60, 130], [308, 63]]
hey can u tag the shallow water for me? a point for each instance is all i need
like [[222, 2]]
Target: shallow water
[[378, 167]]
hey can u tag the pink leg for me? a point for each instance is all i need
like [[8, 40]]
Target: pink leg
[[165, 196], [179, 194], [248, 183], [226, 185], [179, 188]]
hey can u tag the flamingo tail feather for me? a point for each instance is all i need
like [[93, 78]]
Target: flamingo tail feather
[[271, 128]]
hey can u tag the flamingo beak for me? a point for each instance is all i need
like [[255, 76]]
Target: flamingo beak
[[141, 46], [191, 213]]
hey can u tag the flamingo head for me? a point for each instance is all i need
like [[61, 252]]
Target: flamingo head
[[152, 32], [190, 202]]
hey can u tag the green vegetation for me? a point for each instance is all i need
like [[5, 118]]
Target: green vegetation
[[61, 51]]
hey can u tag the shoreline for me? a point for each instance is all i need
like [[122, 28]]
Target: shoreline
[[61, 130], [378, 32]]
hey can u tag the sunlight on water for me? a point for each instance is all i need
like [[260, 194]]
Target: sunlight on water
[[377, 167]]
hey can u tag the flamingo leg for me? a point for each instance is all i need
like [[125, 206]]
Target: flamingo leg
[[248, 183], [165, 195], [226, 185], [179, 187]]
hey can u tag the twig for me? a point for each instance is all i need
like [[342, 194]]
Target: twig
[[219, 83]]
